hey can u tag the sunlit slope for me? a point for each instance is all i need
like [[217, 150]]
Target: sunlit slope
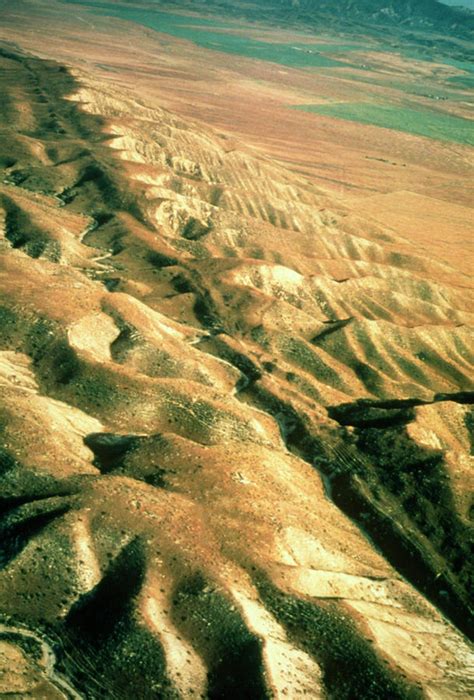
[[215, 384], [282, 256]]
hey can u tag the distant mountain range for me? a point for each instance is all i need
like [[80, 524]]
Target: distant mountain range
[[416, 14], [424, 15]]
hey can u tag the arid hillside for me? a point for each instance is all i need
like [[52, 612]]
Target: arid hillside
[[236, 418]]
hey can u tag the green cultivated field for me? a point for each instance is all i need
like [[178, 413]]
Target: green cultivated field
[[432, 124], [203, 33]]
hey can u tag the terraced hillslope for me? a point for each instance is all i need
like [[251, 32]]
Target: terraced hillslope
[[236, 420]]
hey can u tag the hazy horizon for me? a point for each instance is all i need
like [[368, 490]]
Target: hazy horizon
[[463, 3]]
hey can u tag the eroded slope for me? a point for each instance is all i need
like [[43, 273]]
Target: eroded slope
[[216, 387]]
